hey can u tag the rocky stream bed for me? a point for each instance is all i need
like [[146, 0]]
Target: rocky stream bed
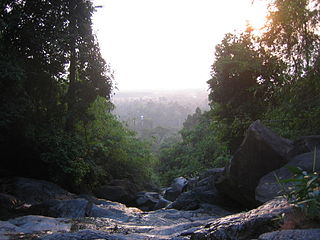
[[239, 202]]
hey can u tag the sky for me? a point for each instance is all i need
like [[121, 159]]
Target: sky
[[168, 44]]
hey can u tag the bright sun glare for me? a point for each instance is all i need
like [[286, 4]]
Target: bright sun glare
[[168, 44]]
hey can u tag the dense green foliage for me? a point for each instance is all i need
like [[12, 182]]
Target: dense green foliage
[[55, 120], [305, 192], [273, 76], [244, 77], [198, 150]]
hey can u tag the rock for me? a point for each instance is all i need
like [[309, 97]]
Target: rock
[[74, 208], [11, 207], [123, 191], [8, 201], [203, 190], [305, 144], [261, 152], [162, 203], [176, 188], [33, 191], [247, 225], [29, 224], [113, 210], [269, 188], [147, 201], [296, 234], [186, 201], [212, 172], [18, 227], [109, 220], [179, 184], [83, 235]]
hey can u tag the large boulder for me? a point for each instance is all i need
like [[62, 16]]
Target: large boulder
[[246, 225], [269, 187], [261, 152], [74, 208], [147, 201], [177, 186], [33, 191], [123, 191]]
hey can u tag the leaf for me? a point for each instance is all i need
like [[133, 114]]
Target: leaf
[[295, 170]]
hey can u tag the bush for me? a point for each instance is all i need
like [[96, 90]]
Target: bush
[[305, 192]]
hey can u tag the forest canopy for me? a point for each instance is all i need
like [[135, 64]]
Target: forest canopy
[[55, 119]]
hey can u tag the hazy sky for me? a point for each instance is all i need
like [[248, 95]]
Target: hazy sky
[[168, 44]]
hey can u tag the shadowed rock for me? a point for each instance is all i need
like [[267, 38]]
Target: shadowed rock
[[33, 191], [269, 188], [261, 152]]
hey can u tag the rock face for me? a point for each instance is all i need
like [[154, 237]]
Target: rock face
[[243, 226], [261, 152], [269, 188], [297, 234]]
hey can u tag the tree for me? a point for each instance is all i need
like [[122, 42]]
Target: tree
[[197, 151], [51, 73], [244, 76], [292, 32]]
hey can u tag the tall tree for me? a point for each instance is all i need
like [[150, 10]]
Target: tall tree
[[51, 72], [292, 32], [243, 78]]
